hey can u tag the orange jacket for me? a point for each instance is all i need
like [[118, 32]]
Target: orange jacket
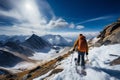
[[81, 44]]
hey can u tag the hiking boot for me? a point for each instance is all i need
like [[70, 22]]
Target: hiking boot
[[83, 72], [83, 67], [78, 64]]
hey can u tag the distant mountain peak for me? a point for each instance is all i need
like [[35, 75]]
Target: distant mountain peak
[[56, 40], [36, 42]]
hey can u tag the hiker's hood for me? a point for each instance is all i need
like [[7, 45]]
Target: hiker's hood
[[82, 37]]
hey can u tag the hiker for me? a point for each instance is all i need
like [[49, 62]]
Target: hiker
[[82, 47]]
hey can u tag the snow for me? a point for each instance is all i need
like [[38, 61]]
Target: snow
[[95, 40], [68, 40], [55, 39], [41, 56], [97, 68], [24, 65], [102, 54]]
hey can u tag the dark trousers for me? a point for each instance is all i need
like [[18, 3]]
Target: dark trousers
[[81, 58]]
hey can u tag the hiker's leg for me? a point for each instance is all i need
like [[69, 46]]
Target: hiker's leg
[[78, 61], [83, 60]]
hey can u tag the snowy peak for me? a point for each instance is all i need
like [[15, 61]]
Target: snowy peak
[[36, 42], [56, 40]]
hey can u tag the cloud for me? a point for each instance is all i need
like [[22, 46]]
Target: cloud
[[95, 19], [79, 27], [28, 28], [31, 17], [72, 25], [14, 30], [12, 13], [46, 10], [27, 11], [57, 23]]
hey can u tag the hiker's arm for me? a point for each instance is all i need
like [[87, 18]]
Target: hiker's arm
[[75, 45]]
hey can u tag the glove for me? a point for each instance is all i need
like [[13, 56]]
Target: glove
[[73, 49], [87, 53]]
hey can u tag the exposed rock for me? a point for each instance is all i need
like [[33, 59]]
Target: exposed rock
[[19, 48], [1, 44], [109, 35], [115, 62], [55, 71], [8, 59]]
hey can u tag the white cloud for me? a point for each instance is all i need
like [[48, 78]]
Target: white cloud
[[28, 28], [79, 27], [27, 11], [32, 19], [72, 25], [12, 13], [57, 23], [46, 9], [95, 19], [14, 30]]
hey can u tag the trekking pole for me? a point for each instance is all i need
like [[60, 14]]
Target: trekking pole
[[71, 58]]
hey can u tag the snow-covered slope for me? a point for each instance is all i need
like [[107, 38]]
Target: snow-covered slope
[[97, 69], [40, 56], [56, 40]]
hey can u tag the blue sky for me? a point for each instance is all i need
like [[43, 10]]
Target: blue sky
[[79, 11], [65, 17]]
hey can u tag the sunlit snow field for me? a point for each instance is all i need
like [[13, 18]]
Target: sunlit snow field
[[97, 68]]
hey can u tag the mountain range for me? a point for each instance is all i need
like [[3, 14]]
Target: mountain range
[[14, 49]]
